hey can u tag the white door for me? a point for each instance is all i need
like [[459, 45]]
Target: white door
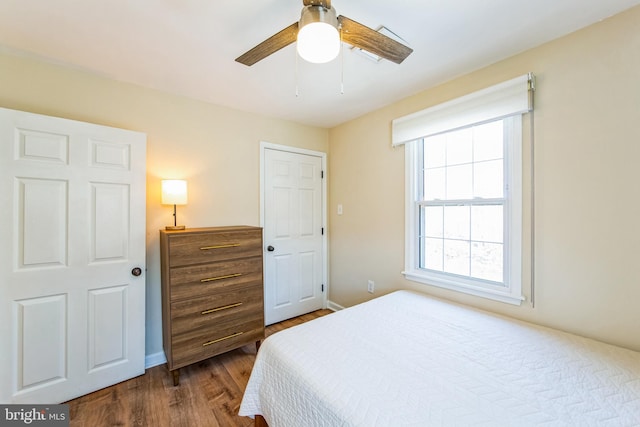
[[73, 231], [293, 234]]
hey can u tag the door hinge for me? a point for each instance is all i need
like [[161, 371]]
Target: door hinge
[[321, 174], [322, 231], [323, 287]]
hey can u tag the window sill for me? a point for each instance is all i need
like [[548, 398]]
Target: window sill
[[496, 295]]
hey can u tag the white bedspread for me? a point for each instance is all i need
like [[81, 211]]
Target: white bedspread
[[405, 359]]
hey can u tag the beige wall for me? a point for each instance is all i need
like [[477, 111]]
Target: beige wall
[[216, 149], [587, 139], [587, 142]]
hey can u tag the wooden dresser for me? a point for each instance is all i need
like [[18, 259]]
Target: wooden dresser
[[212, 297]]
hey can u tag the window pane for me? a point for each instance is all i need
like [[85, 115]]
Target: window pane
[[459, 147], [487, 179], [459, 182], [435, 151], [456, 257], [486, 261], [433, 225], [432, 259], [486, 223], [434, 184], [456, 222], [488, 142]]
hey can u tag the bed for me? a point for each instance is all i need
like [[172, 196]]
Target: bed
[[406, 359]]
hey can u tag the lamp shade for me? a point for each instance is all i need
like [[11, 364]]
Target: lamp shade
[[174, 192], [318, 38]]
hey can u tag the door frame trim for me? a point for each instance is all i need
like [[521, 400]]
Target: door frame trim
[[264, 145]]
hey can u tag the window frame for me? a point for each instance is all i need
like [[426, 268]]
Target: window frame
[[510, 291]]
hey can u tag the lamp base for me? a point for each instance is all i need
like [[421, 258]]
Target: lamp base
[[174, 227]]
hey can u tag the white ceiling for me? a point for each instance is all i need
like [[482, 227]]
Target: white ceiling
[[188, 47]]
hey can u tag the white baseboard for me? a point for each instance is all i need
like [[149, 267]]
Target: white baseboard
[[334, 306], [151, 360]]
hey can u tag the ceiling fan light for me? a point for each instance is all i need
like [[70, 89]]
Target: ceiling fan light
[[318, 37]]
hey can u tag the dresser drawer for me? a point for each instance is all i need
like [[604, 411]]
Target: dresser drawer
[[208, 247], [196, 345], [234, 304], [197, 280]]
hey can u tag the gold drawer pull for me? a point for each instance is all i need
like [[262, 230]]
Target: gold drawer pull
[[212, 279], [213, 310], [237, 334], [229, 245]]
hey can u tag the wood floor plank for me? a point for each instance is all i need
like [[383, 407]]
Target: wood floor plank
[[209, 393], [238, 364], [222, 394]]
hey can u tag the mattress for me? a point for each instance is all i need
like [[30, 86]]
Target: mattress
[[406, 359]]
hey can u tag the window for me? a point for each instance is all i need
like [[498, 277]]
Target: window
[[464, 191], [466, 204]]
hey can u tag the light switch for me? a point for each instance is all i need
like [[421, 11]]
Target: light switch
[[339, 209]]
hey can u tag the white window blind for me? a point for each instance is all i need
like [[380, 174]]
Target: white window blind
[[498, 101]]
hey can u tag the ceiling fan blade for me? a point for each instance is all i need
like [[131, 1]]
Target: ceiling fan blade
[[324, 3], [372, 41], [272, 44]]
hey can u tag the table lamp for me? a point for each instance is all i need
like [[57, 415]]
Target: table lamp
[[174, 192]]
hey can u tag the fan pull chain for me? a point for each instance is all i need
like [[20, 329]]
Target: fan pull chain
[[341, 63], [341, 69], [296, 77]]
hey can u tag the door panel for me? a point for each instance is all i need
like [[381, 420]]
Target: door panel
[[110, 226], [41, 216], [71, 313], [293, 226], [41, 330], [107, 326], [42, 146], [280, 284], [308, 264], [110, 155]]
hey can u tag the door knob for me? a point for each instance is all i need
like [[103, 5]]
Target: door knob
[[270, 248], [136, 271]]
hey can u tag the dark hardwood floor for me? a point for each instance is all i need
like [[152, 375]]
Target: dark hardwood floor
[[209, 393]]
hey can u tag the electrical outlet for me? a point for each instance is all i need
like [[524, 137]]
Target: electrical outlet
[[371, 287]]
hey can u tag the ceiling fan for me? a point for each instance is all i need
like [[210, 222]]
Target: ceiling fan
[[344, 30]]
